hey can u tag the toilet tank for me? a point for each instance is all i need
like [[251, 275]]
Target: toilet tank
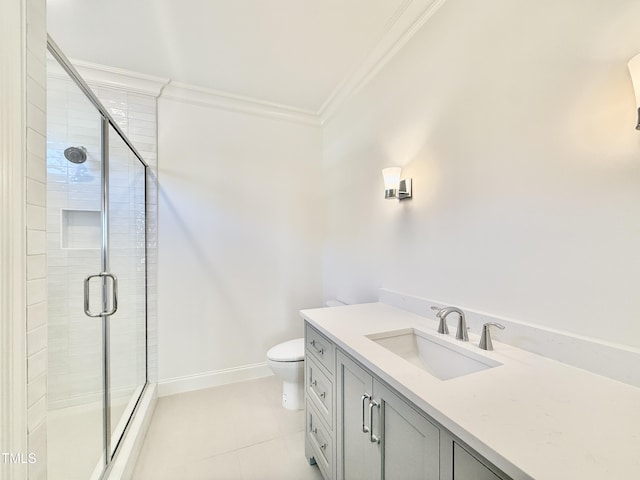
[[333, 303]]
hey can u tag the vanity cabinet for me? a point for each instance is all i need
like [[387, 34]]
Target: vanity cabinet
[[358, 428], [319, 367], [379, 434], [468, 467]]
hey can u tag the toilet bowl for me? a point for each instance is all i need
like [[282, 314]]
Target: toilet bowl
[[286, 360]]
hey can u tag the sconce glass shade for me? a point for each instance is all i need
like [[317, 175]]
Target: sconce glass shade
[[634, 70], [391, 176]]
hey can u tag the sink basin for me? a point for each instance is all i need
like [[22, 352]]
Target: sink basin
[[439, 358]]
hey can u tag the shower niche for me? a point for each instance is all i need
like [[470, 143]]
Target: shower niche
[[80, 229]]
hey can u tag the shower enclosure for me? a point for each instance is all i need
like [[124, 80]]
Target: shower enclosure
[[97, 281]]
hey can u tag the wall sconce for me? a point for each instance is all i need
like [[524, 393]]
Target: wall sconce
[[394, 187], [634, 70]]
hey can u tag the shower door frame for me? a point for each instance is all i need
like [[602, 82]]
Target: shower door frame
[[107, 121]]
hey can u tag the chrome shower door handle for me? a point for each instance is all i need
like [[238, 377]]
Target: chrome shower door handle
[[87, 292], [364, 397], [114, 290]]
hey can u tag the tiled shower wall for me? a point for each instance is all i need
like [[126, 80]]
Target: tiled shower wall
[[74, 342], [73, 238], [136, 114], [36, 104]]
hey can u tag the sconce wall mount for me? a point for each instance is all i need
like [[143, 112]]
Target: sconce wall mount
[[394, 186]]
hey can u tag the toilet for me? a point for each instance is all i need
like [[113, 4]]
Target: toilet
[[286, 360]]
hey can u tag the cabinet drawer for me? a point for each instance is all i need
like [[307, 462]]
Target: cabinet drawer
[[321, 441], [319, 390], [320, 347]]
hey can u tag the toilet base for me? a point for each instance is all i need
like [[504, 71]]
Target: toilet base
[[293, 395]]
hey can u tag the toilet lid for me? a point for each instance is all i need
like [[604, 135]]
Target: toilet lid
[[291, 351]]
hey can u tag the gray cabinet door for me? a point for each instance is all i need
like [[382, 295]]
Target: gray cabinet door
[[410, 445], [467, 467], [358, 459]]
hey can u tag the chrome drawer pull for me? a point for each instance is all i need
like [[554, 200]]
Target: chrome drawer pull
[[323, 446], [319, 351], [364, 397], [314, 383], [373, 438]]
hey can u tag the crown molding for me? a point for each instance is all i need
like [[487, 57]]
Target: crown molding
[[192, 94], [410, 16], [120, 79], [406, 21], [96, 75]]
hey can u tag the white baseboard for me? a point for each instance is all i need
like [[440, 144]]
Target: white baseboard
[[188, 383], [597, 356]]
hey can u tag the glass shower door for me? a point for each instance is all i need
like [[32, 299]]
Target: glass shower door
[[96, 272], [127, 254], [75, 417]]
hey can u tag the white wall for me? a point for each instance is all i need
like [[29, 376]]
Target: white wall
[[516, 121], [239, 235]]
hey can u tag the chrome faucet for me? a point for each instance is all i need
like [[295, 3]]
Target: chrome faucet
[[461, 332], [485, 338]]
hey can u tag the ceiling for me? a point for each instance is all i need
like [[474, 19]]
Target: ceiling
[[294, 53]]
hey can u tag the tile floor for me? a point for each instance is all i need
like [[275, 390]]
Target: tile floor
[[234, 432]]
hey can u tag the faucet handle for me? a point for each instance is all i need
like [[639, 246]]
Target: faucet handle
[[442, 325], [485, 338]]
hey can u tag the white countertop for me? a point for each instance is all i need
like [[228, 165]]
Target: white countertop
[[532, 417]]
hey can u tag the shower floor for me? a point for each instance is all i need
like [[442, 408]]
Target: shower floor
[[74, 442], [74, 439]]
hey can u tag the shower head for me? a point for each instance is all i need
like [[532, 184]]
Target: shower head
[[76, 154]]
